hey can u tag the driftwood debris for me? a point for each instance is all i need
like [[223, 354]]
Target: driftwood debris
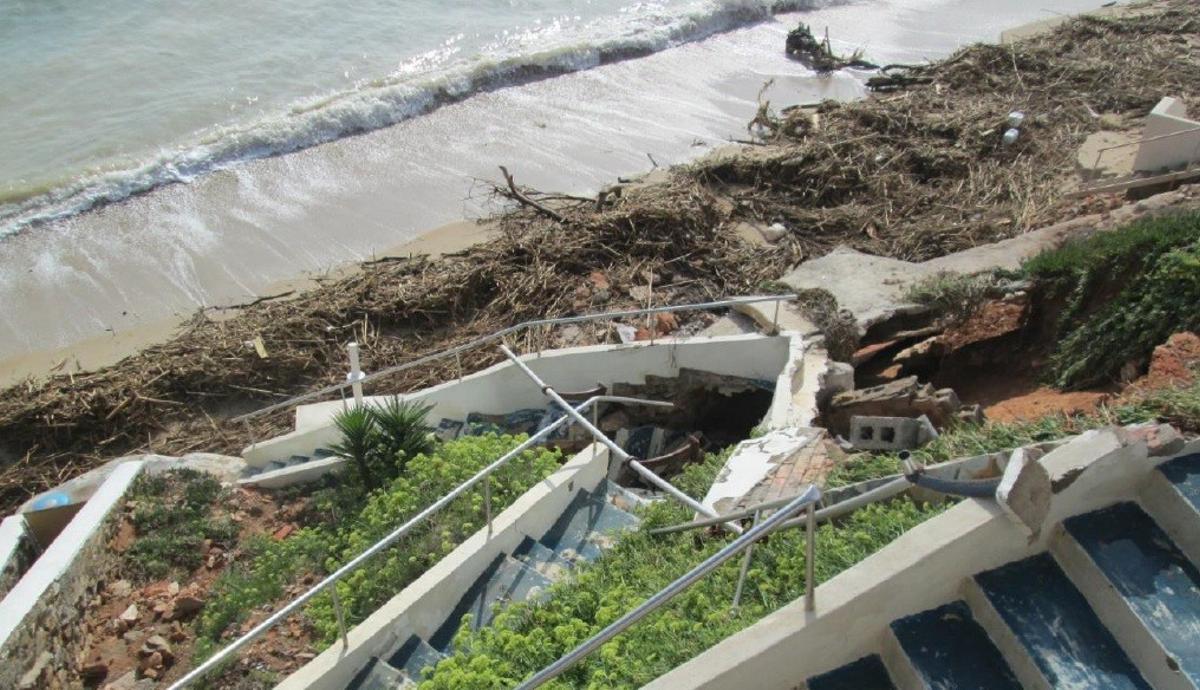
[[818, 54], [524, 199]]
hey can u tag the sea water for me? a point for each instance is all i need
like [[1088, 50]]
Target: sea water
[[157, 157]]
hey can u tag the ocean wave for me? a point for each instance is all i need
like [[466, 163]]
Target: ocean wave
[[379, 103]]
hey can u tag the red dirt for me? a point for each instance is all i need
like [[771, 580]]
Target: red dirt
[[1173, 363], [167, 607]]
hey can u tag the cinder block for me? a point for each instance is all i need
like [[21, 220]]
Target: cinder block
[[889, 433]]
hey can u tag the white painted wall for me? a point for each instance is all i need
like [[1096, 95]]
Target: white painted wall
[[61, 554], [1182, 149], [504, 388], [421, 608]]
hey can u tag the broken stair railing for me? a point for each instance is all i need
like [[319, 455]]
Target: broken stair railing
[[616, 450], [331, 581], [358, 379], [808, 500]]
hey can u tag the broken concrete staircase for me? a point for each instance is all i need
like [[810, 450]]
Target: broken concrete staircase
[[585, 529]]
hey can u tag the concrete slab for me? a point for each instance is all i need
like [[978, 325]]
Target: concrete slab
[[870, 287]]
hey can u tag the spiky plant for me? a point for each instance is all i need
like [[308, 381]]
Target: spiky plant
[[360, 438], [403, 432]]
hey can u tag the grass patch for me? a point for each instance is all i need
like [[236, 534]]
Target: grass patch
[[266, 566], [954, 296], [172, 515], [527, 636], [1125, 292], [965, 439]]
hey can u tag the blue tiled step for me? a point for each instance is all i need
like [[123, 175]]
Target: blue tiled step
[[378, 675], [1184, 473], [587, 527], [950, 651], [868, 673], [1149, 572], [542, 558], [1057, 627], [506, 579], [414, 656]]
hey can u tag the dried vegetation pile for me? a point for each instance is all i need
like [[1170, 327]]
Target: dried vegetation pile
[[914, 173]]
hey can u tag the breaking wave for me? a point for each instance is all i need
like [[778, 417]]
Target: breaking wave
[[410, 91]]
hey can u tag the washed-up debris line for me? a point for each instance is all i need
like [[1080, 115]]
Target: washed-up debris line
[[913, 174]]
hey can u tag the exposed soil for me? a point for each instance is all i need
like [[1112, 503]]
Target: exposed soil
[[144, 627]]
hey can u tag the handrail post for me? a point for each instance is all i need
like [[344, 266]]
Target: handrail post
[[356, 375], [810, 555], [341, 617], [487, 502], [737, 592], [775, 319]]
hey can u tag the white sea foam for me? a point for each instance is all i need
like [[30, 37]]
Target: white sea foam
[[419, 85]]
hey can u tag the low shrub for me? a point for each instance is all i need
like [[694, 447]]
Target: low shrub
[[171, 513], [1124, 293], [527, 636], [266, 567]]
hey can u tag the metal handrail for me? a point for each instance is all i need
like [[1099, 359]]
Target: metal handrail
[[500, 335], [332, 579], [808, 499], [645, 472]]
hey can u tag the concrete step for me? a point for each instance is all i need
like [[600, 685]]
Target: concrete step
[[413, 657], [1054, 627], [1143, 588], [506, 579], [541, 558], [379, 675], [1172, 497], [587, 527], [868, 673], [948, 649]]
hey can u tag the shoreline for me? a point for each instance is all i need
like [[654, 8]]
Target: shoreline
[[100, 351]]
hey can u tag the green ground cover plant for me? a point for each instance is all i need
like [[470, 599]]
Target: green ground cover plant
[[527, 636], [172, 514], [1124, 293], [266, 566]]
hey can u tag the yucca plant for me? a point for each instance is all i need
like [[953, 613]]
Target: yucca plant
[[360, 439], [403, 433]]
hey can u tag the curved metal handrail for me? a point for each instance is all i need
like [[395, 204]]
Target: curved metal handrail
[[352, 565], [501, 334]]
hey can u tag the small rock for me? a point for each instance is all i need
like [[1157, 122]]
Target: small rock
[[186, 605], [129, 616], [125, 682], [173, 588], [157, 645], [31, 679], [283, 532], [120, 588], [775, 232], [93, 673]]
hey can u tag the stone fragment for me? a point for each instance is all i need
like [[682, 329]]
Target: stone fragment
[[890, 433], [1025, 491], [129, 616], [33, 677], [186, 605], [901, 398], [120, 588], [125, 682], [94, 672], [1161, 440]]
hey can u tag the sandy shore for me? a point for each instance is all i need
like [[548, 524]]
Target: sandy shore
[[108, 298], [100, 351]]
